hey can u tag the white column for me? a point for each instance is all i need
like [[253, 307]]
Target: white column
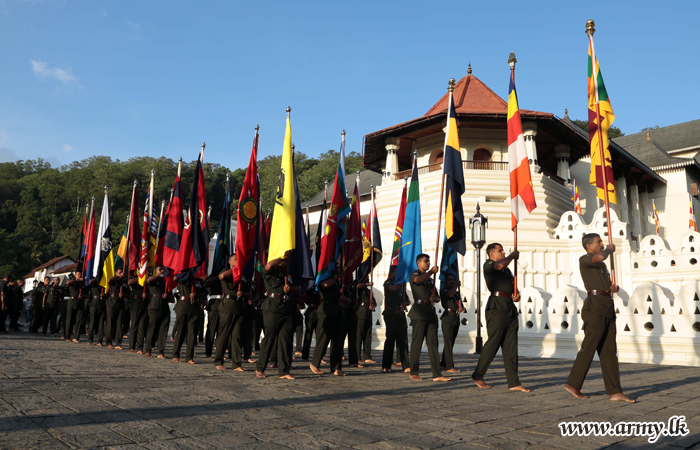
[[635, 213], [644, 210], [562, 152], [392, 156], [529, 133], [621, 186]]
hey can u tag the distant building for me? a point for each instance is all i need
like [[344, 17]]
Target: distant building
[[50, 269]]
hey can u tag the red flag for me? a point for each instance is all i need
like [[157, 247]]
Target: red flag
[[353, 239], [134, 234], [91, 242], [399, 229], [248, 214], [175, 226], [194, 246], [268, 228]]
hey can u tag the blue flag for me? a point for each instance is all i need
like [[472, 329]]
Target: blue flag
[[411, 245], [448, 264]]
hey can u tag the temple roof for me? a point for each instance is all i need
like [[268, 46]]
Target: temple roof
[[678, 137]]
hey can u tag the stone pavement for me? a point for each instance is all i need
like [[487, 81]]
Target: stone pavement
[[63, 395]]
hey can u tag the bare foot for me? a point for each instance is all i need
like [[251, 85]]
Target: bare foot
[[339, 373], [415, 378], [296, 354], [221, 367], [442, 379], [99, 344], [176, 359], [407, 370], [161, 357], [273, 365], [520, 388], [119, 347], [356, 365], [191, 361], [172, 338], [250, 361], [387, 370], [259, 374], [453, 370], [287, 377], [132, 351], [110, 346], [481, 384], [147, 355], [75, 340], [575, 392], [622, 398], [140, 352], [370, 361], [315, 370], [239, 369]]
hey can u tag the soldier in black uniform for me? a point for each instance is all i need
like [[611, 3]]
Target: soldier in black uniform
[[365, 307], [311, 298], [298, 325], [329, 328], [424, 319], [396, 326], [16, 311], [75, 308], [37, 306], [501, 318], [158, 313], [191, 295], [138, 312], [452, 307], [278, 312], [213, 286], [115, 309], [348, 324], [231, 311], [248, 325], [599, 328], [98, 312], [7, 296], [51, 301], [61, 307]]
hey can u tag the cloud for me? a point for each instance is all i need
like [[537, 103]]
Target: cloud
[[7, 155], [135, 30], [67, 148], [41, 70]]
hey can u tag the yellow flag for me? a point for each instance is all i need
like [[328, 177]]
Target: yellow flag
[[282, 235]]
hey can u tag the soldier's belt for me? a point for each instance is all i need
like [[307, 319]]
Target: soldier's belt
[[185, 299], [282, 297], [395, 308], [597, 292], [455, 311], [424, 302], [501, 294], [364, 304], [231, 297], [214, 297], [156, 296]]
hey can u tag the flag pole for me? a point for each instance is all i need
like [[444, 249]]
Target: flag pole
[[511, 62], [450, 90], [590, 29], [128, 230], [370, 234], [92, 210]]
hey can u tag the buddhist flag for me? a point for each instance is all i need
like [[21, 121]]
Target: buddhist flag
[[399, 228], [693, 224], [148, 236], [454, 183], [247, 218], [656, 216], [282, 235], [120, 257], [104, 264], [522, 194], [575, 198], [598, 101], [411, 244]]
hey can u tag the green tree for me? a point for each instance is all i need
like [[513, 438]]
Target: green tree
[[613, 131]]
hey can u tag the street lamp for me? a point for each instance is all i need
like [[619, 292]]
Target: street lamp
[[477, 225]]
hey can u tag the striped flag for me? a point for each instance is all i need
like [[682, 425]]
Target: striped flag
[[90, 245], [522, 194], [411, 243], [656, 216], [399, 228], [575, 198], [455, 230], [103, 270], [598, 100], [148, 236], [693, 224]]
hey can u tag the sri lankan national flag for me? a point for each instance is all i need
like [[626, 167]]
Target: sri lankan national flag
[[598, 102], [656, 216], [454, 184]]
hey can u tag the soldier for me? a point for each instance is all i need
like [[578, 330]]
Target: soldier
[[298, 325], [158, 313], [311, 298], [599, 327], [248, 328], [115, 309], [50, 302], [452, 307], [231, 312], [138, 312], [189, 302], [501, 318], [38, 298], [395, 320], [424, 319], [15, 308], [98, 312], [213, 286], [7, 296], [329, 327], [75, 308], [348, 325], [278, 311], [365, 307]]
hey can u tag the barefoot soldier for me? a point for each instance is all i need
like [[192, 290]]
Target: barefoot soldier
[[452, 307], [158, 313], [75, 307], [501, 318], [311, 298], [364, 322], [97, 307], [213, 286], [115, 309], [599, 327], [231, 312], [396, 326], [138, 313], [187, 318], [330, 329], [424, 319]]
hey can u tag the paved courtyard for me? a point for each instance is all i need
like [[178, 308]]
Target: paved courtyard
[[59, 395]]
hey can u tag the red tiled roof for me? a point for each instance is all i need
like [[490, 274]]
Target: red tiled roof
[[66, 269], [45, 265]]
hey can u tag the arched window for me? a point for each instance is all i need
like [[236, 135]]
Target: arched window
[[481, 158], [436, 164]]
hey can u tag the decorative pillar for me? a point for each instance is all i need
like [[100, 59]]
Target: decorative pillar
[[644, 211], [622, 205], [562, 152], [635, 212], [529, 134], [392, 156]]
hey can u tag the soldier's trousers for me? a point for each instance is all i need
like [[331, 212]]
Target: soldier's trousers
[[349, 327], [212, 332], [186, 323], [258, 325], [37, 319], [14, 314], [247, 332], [49, 321], [450, 328], [503, 333], [299, 330], [278, 327], [229, 337], [97, 324], [425, 331], [200, 325], [364, 337], [115, 318], [329, 330], [74, 323], [139, 328], [600, 333], [311, 321], [157, 335], [61, 320], [396, 335]]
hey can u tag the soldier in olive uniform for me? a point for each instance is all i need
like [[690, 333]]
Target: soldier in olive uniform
[[231, 312], [501, 318], [330, 328], [365, 307], [213, 286], [424, 319], [599, 328], [278, 312], [348, 324], [98, 312], [51, 301], [311, 321], [158, 313], [75, 308], [396, 326], [190, 295], [115, 309], [16, 312], [452, 307], [37, 306], [138, 312]]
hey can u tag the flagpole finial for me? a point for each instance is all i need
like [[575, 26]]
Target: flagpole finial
[[105, 188], [162, 203], [93, 198], [469, 68], [512, 60], [477, 207], [135, 183], [343, 132], [257, 128], [204, 145], [415, 154], [590, 28], [289, 110], [180, 160], [451, 85]]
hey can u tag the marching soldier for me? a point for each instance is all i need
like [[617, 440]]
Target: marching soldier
[[187, 319], [424, 319], [213, 286], [396, 326], [75, 308], [50, 302], [158, 313], [310, 321], [365, 307], [329, 327], [115, 309], [138, 312], [452, 307], [231, 311], [98, 312], [501, 318], [16, 311], [7, 296], [37, 306], [599, 327]]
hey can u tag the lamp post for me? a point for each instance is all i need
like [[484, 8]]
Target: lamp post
[[477, 225]]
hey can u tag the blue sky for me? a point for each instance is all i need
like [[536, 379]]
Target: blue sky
[[132, 78]]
